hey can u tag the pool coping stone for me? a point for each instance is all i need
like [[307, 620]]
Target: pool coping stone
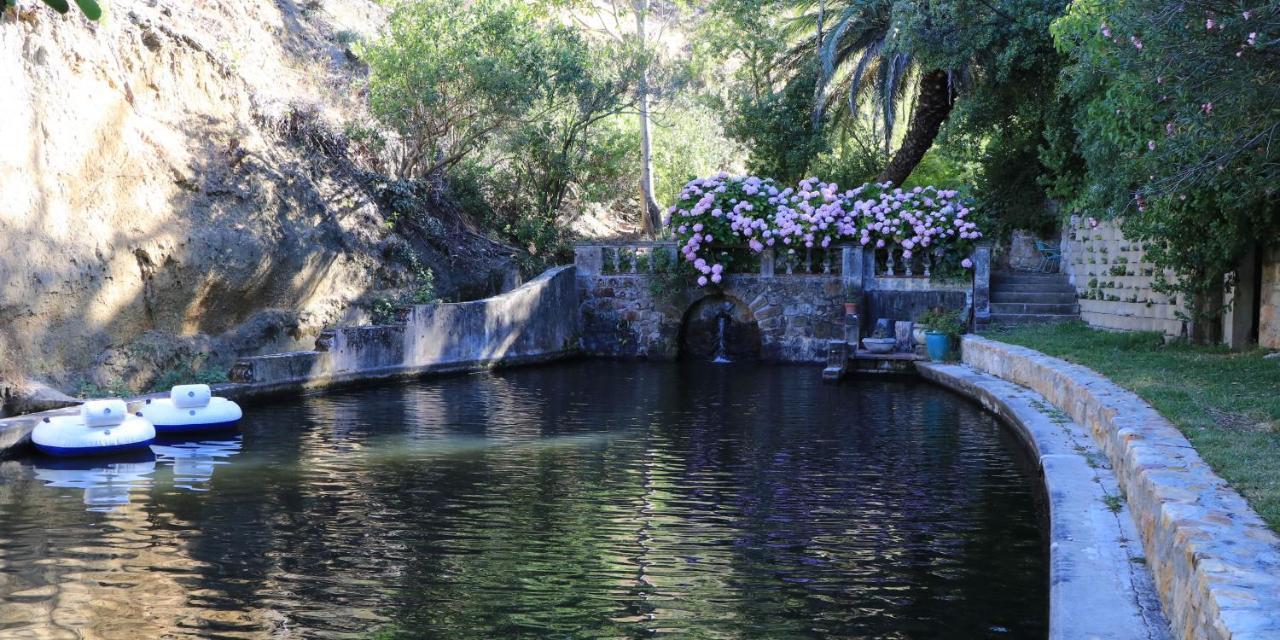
[[1215, 562], [1099, 587]]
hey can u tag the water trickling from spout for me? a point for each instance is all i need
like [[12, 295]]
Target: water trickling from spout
[[721, 356]]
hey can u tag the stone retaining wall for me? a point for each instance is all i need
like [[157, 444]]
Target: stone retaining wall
[[1114, 280], [1115, 285], [623, 316], [533, 323], [1216, 564], [536, 321]]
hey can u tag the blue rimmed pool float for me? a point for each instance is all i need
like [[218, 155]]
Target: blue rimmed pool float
[[102, 427], [191, 408]]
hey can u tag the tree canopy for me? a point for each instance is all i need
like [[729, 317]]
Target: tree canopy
[[1175, 114], [1162, 115]]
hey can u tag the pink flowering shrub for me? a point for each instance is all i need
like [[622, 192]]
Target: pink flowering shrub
[[722, 210], [725, 211]]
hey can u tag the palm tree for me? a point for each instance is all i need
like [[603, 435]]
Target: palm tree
[[861, 52]]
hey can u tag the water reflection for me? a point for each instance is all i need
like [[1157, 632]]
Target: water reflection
[[104, 483], [193, 462]]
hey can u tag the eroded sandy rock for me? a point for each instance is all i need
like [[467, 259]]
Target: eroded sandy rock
[[153, 182]]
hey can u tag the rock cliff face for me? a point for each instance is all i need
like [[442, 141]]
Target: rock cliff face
[[165, 188]]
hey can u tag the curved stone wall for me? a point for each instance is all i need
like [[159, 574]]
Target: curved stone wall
[[1215, 562], [1099, 586]]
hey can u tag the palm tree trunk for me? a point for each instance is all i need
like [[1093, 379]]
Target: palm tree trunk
[[933, 106]]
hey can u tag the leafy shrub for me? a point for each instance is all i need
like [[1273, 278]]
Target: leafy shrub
[[423, 291], [940, 320]]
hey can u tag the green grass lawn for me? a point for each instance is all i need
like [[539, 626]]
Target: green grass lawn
[[1226, 403]]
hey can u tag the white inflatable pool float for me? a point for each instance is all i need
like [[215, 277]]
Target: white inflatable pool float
[[191, 407], [102, 427]]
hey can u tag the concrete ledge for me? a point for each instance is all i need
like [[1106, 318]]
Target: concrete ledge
[[1216, 563], [1100, 586]]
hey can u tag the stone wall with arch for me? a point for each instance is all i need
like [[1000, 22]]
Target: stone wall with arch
[[623, 316]]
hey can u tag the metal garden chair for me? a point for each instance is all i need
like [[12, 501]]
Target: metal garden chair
[[1050, 257]]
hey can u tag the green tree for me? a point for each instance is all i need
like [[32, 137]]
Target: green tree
[[1176, 115], [639, 26], [777, 129], [447, 77]]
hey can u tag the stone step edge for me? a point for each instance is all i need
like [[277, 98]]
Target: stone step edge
[[1216, 563], [1066, 298], [1099, 584], [1036, 308]]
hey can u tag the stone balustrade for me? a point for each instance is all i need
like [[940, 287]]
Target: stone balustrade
[[859, 269]]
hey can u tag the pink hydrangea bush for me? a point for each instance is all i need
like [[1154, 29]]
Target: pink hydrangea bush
[[813, 215], [919, 221], [721, 212]]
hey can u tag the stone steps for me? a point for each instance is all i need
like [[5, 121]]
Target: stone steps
[[1025, 278], [1038, 309], [1031, 318], [1034, 297], [1033, 288]]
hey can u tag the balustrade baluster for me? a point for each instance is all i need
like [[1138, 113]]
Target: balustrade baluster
[[635, 259], [908, 265], [808, 260], [889, 262]]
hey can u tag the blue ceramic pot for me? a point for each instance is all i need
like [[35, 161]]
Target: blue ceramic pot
[[938, 344]]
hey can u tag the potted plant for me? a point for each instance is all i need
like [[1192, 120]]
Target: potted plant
[[942, 329], [851, 297]]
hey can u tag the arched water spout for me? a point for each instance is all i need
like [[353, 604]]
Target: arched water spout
[[720, 328]]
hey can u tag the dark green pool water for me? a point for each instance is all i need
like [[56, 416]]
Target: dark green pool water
[[580, 500]]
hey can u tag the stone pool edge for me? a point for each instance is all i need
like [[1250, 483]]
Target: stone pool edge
[[1099, 586], [1216, 564]]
